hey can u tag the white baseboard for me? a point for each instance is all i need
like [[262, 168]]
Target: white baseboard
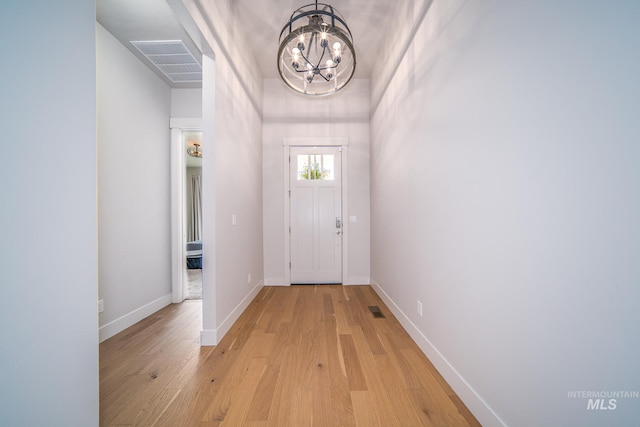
[[359, 281], [280, 281], [485, 415], [275, 281], [210, 337], [123, 322]]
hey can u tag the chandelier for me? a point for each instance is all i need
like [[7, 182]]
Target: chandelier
[[195, 151], [316, 54]]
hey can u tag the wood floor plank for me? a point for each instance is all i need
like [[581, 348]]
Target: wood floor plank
[[321, 381], [437, 401], [384, 411], [298, 356], [363, 318], [398, 395], [355, 377], [341, 404], [400, 364], [240, 395], [263, 397], [364, 410], [158, 405]]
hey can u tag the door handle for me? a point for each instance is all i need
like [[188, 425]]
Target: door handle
[[338, 225]]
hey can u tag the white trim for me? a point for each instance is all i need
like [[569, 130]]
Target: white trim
[[287, 216], [344, 182], [123, 322], [178, 176], [185, 123], [209, 337], [177, 216], [275, 281], [287, 143], [363, 280], [465, 392], [306, 141]]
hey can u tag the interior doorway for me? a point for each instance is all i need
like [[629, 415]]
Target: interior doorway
[[193, 213], [316, 226], [186, 222]]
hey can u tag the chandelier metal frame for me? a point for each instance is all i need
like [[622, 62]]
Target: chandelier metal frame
[[317, 58]]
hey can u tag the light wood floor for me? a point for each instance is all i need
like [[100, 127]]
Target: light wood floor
[[298, 356]]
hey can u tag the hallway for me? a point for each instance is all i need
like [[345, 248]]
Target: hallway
[[299, 355]]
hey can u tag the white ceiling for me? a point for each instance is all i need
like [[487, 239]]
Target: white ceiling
[[262, 21], [144, 20]]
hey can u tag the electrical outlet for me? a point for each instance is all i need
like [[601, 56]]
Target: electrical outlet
[[419, 309], [249, 278], [100, 305]]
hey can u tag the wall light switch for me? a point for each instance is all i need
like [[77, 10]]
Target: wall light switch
[[419, 309], [234, 220], [353, 219]]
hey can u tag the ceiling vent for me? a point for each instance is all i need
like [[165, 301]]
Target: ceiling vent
[[172, 58]]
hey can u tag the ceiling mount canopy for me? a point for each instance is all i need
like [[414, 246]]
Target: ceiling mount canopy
[[316, 54]]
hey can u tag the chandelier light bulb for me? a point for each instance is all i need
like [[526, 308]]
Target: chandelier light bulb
[[296, 54], [329, 74], [337, 57], [323, 40]]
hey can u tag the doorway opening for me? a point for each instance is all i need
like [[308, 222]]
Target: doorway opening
[[186, 210], [193, 218]]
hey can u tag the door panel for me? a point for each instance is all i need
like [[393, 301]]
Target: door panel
[[316, 223], [327, 213], [302, 223]]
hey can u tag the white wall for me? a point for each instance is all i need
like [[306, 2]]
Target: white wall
[[290, 115], [232, 173], [134, 107], [186, 103], [48, 272], [505, 175]]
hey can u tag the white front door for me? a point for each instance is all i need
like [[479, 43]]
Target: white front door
[[316, 214]]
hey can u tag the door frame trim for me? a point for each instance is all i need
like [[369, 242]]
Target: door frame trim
[[178, 172], [287, 143]]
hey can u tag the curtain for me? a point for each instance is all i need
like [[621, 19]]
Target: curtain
[[195, 233]]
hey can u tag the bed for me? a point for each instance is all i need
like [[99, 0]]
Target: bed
[[194, 254]]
